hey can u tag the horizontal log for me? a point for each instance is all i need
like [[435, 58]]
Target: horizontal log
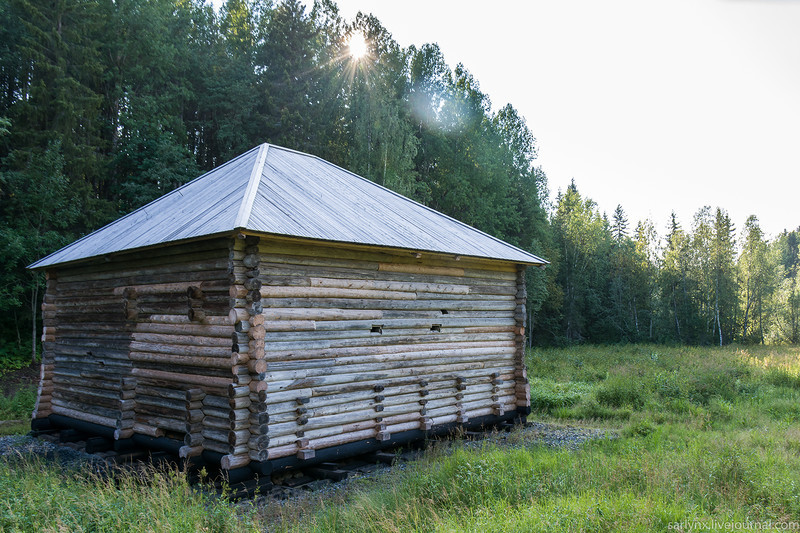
[[150, 270], [175, 288], [120, 434], [229, 462], [184, 360], [472, 304], [82, 415], [161, 422], [337, 440], [471, 369], [150, 431], [379, 340], [290, 325], [274, 355], [273, 314], [179, 338], [344, 364], [382, 285], [421, 269], [325, 292], [332, 252], [167, 404], [182, 350], [190, 328], [384, 364], [186, 452], [88, 407], [181, 378]]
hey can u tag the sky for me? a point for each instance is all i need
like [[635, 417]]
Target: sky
[[656, 105]]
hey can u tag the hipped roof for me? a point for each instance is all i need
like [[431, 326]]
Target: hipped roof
[[278, 191]]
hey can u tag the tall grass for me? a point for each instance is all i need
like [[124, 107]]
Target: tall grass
[[37, 496], [18, 406], [703, 434]]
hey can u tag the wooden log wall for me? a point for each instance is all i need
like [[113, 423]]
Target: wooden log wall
[[364, 344], [44, 397], [248, 422], [127, 337]]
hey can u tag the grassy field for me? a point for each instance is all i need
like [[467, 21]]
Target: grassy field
[[709, 435]]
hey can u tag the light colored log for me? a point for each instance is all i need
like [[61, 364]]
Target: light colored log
[[345, 364], [444, 419], [291, 314], [386, 349], [181, 339], [238, 314], [282, 451], [210, 324], [162, 422], [412, 323], [325, 292], [183, 360], [401, 418], [421, 269], [189, 379], [474, 303], [229, 462], [381, 285], [150, 431], [377, 340], [469, 369], [399, 428], [291, 325], [181, 350], [186, 452], [120, 434]]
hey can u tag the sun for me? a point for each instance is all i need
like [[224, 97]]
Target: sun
[[357, 45]]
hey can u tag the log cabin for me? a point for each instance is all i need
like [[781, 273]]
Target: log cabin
[[280, 310]]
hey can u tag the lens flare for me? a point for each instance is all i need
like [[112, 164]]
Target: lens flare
[[357, 45]]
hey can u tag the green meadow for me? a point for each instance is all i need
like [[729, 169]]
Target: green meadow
[[696, 437]]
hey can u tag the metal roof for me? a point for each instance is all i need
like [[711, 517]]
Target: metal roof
[[275, 190]]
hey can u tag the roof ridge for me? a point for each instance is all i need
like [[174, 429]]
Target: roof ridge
[[243, 217]]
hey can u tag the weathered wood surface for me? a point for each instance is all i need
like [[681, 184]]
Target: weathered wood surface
[[361, 344], [263, 348], [132, 316]]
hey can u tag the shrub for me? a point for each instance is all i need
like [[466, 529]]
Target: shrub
[[780, 377], [19, 406], [622, 391], [13, 357], [547, 395], [640, 428], [671, 385], [709, 383]]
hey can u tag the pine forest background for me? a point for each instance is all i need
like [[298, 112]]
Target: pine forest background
[[106, 105]]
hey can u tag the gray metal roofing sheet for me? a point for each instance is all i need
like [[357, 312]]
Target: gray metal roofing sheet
[[274, 190]]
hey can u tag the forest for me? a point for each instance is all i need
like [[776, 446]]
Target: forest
[[106, 105]]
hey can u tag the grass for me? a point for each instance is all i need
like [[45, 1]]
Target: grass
[[20, 405], [38, 497], [705, 434]]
